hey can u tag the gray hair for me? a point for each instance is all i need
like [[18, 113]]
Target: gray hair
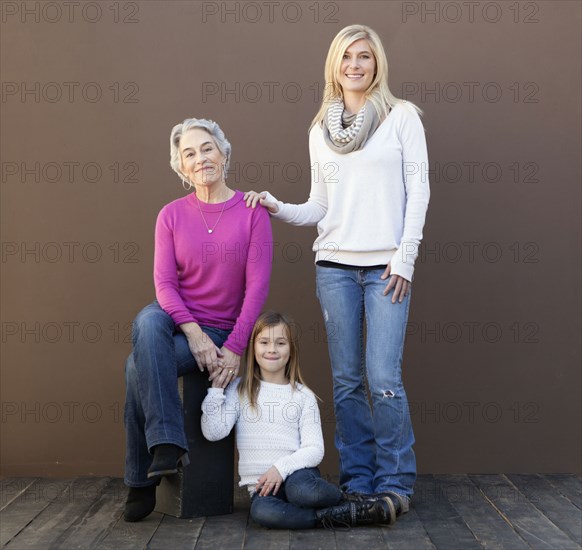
[[190, 124]]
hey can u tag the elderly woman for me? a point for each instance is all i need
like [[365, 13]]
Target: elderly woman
[[212, 265], [369, 196]]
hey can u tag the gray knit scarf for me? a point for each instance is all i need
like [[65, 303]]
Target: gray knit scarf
[[344, 132]]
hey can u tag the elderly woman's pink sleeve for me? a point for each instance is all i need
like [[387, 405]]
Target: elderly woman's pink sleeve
[[258, 275], [165, 272]]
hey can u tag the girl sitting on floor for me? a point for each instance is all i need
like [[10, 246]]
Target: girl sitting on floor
[[279, 438]]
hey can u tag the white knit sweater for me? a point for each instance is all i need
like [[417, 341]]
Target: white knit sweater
[[369, 205], [283, 431]]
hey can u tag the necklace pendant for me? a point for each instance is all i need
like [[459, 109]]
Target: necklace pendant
[[210, 231]]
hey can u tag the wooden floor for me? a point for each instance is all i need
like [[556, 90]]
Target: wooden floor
[[448, 512]]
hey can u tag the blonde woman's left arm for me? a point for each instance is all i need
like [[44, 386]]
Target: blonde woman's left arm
[[415, 176]]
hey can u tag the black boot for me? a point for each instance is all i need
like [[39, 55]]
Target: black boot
[[356, 497], [167, 458], [350, 514], [401, 502], [140, 502]]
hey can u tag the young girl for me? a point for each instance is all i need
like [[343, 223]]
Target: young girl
[[279, 438]]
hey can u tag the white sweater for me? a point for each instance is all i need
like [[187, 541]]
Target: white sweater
[[369, 205], [284, 430]]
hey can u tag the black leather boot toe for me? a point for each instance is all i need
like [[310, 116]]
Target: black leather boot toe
[[140, 503]]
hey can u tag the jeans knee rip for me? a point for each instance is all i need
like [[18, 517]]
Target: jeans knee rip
[[388, 393]]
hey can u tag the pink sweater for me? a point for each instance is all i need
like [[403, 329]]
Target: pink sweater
[[221, 279]]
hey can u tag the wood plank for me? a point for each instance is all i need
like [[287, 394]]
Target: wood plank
[[29, 504], [265, 539], [444, 525], [178, 534], [224, 532], [449, 512], [489, 527], [126, 535], [61, 513], [569, 485], [322, 539], [557, 508], [407, 533], [12, 487], [535, 528], [92, 526], [358, 537]]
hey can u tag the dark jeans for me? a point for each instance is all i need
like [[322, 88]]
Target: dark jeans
[[153, 409], [293, 507]]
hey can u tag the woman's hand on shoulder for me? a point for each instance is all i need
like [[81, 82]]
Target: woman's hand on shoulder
[[228, 371], [252, 198], [400, 285]]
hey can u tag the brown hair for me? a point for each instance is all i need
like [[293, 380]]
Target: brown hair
[[251, 380]]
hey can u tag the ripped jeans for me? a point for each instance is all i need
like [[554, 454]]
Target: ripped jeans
[[374, 445]]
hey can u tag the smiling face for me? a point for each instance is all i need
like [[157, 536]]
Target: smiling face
[[202, 161], [272, 350], [357, 68]]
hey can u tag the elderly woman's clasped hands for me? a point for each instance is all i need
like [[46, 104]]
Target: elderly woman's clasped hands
[[221, 363]]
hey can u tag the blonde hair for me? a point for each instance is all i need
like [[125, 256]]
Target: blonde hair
[[251, 381], [378, 93]]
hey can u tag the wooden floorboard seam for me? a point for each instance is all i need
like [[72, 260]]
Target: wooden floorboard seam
[[558, 488], [147, 545], [501, 514], [39, 512], [561, 525], [106, 532], [530, 523], [16, 496]]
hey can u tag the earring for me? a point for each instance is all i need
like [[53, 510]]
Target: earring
[[184, 185]]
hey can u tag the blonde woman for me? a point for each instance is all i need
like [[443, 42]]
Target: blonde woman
[[369, 196]]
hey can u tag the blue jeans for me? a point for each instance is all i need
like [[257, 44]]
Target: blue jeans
[[153, 408], [294, 505], [375, 447]]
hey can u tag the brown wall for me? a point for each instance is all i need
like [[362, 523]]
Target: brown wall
[[492, 360]]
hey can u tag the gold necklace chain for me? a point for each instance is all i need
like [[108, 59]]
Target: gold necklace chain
[[204, 219]]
